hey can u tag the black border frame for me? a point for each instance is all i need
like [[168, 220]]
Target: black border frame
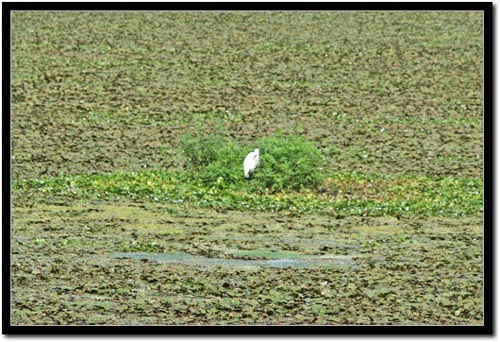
[[488, 69]]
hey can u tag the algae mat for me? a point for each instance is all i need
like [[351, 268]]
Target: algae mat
[[95, 263]]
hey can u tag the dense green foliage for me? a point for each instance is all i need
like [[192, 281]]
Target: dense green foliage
[[348, 193], [286, 162], [214, 159]]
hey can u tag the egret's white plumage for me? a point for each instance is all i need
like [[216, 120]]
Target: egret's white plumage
[[250, 163]]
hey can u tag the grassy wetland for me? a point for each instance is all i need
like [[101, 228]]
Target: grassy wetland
[[129, 205]]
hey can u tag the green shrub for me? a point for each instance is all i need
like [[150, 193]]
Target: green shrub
[[200, 151], [216, 159], [286, 162]]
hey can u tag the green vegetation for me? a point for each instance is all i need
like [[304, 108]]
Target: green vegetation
[[286, 162], [128, 134], [344, 194], [215, 160]]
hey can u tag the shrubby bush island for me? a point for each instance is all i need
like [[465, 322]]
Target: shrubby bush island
[[286, 162]]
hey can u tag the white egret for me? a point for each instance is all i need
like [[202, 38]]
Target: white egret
[[250, 163]]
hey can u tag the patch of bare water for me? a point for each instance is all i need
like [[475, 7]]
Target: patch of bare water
[[282, 259]]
